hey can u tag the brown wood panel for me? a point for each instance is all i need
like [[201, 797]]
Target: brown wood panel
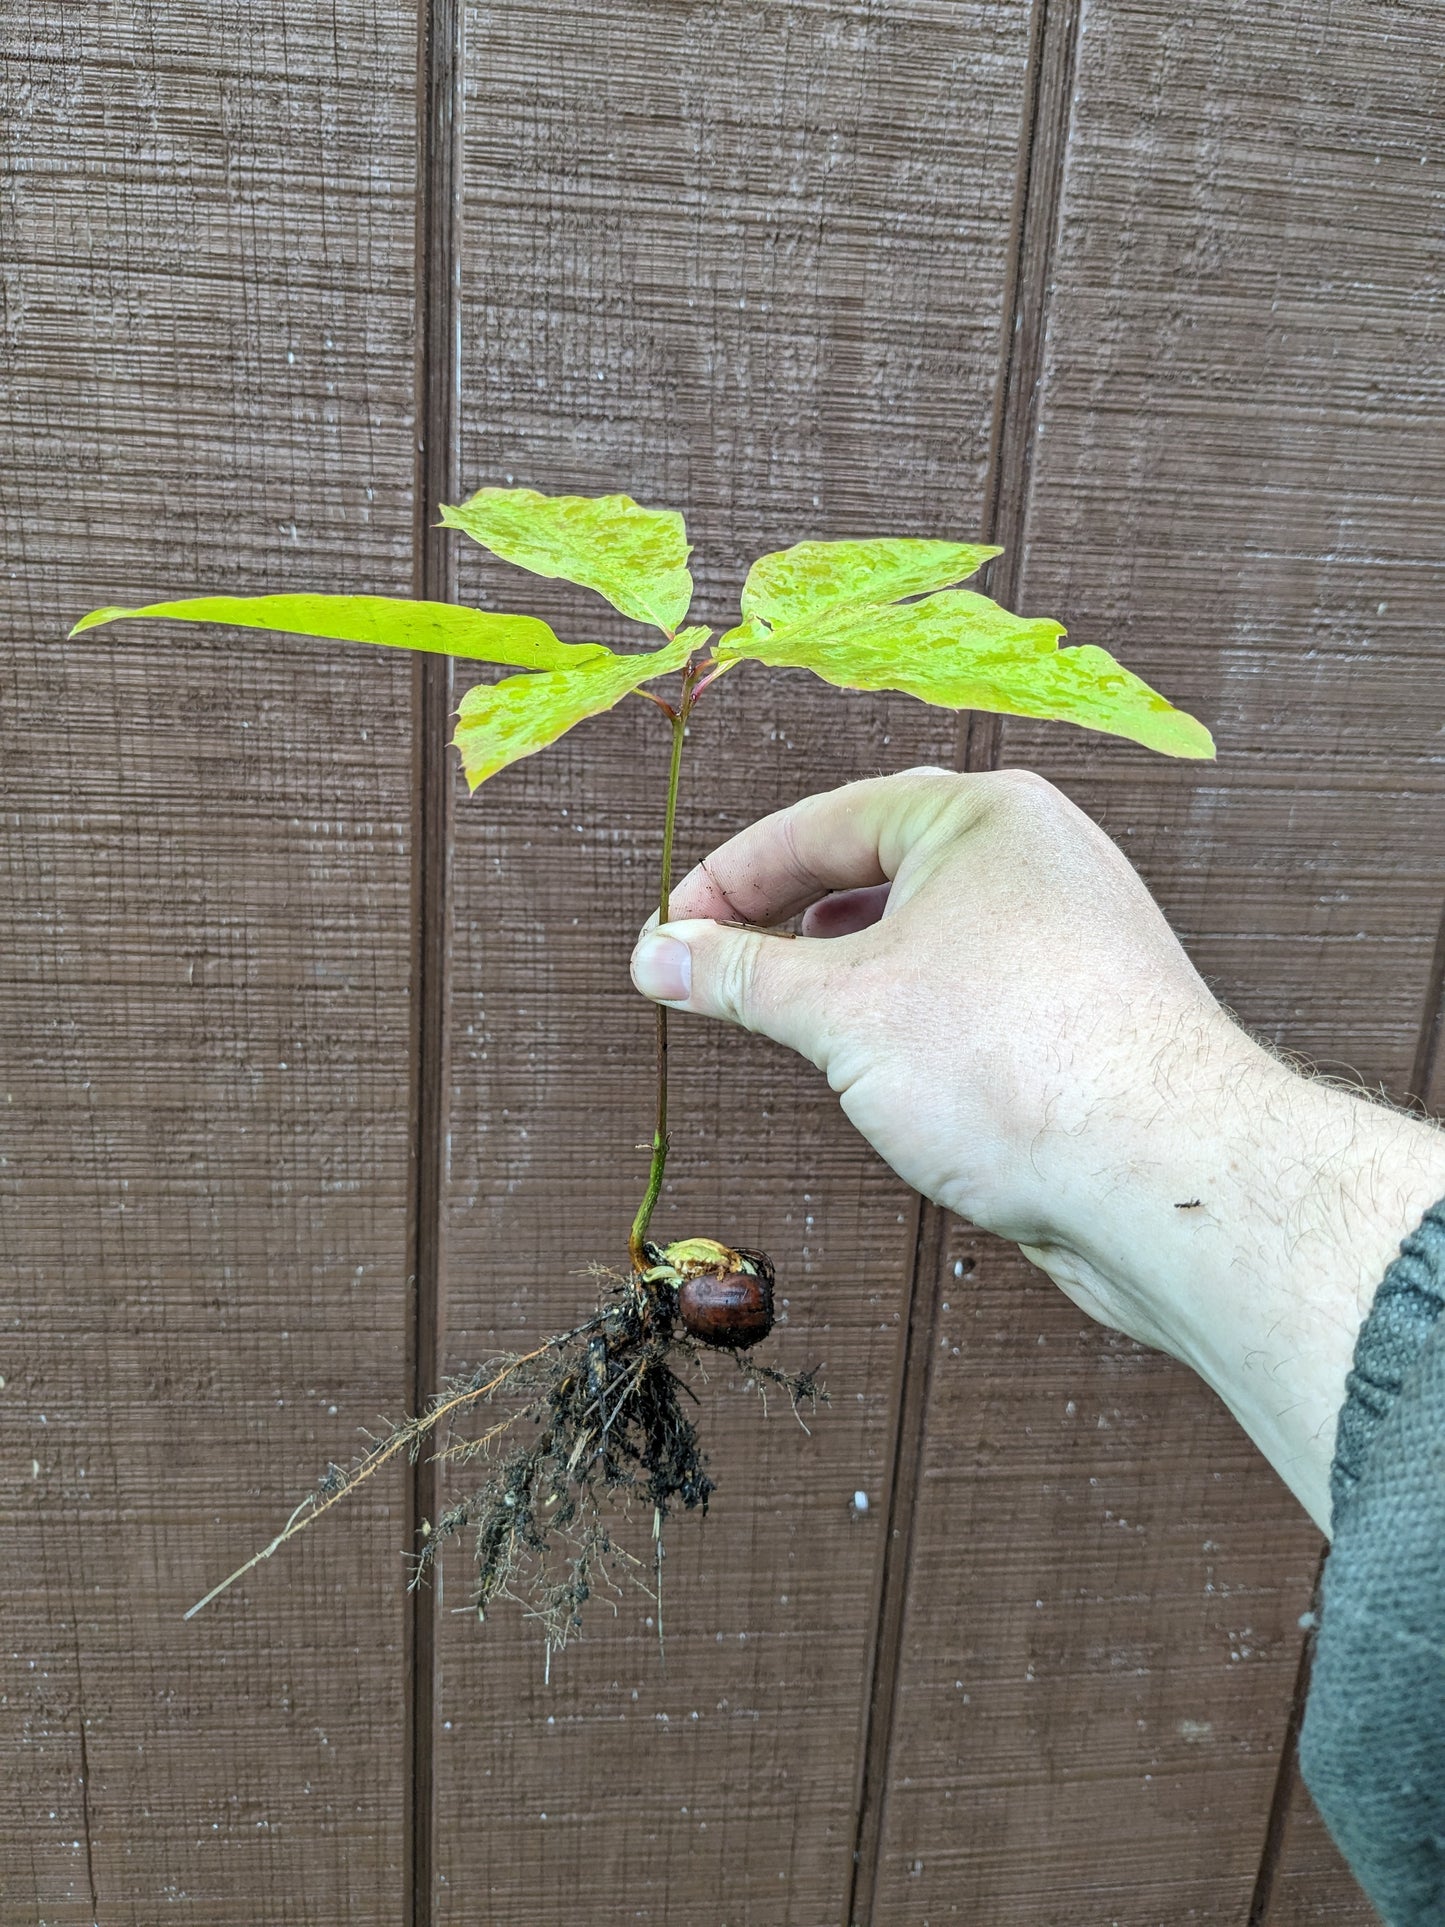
[[1102, 1626], [1241, 483], [1238, 483], [750, 261], [203, 974]]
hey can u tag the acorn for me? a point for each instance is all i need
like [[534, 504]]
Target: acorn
[[724, 1296]]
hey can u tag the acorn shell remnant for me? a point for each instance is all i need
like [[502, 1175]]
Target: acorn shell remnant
[[724, 1296], [734, 1311]]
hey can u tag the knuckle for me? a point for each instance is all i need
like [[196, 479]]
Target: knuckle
[[735, 986], [943, 786], [1022, 782], [1024, 794], [799, 870]]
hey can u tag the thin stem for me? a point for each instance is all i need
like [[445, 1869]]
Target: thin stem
[[664, 902], [714, 669], [661, 702]]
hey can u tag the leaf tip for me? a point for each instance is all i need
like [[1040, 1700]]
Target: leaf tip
[[474, 780], [1181, 735], [93, 620]]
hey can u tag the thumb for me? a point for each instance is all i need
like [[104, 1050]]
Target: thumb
[[775, 985]]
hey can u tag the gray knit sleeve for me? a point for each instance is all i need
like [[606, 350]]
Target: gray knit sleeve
[[1373, 1746]]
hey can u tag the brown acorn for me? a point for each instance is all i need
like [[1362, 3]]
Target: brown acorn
[[732, 1309]]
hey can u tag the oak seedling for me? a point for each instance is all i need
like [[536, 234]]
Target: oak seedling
[[609, 1429]]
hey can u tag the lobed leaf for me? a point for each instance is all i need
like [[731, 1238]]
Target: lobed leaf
[[518, 642], [960, 650], [814, 577], [500, 723], [634, 556]]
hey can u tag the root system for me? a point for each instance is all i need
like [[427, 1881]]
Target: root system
[[598, 1429]]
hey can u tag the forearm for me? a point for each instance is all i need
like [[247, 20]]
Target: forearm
[[1243, 1223]]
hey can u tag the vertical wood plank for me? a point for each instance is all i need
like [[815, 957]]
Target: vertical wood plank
[[1038, 180], [204, 968], [749, 261], [1235, 484], [1100, 1640]]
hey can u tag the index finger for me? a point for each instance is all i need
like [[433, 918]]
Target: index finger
[[842, 839]]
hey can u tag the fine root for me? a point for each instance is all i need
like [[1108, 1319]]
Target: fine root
[[610, 1431]]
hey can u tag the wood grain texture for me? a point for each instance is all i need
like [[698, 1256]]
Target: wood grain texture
[[748, 261], [778, 265], [1244, 489], [203, 972], [1238, 484], [1101, 1636]]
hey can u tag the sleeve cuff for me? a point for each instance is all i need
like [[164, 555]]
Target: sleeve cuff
[[1407, 1305], [1372, 1750]]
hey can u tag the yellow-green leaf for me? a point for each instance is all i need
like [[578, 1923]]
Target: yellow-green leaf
[[499, 723], [518, 642], [813, 577], [634, 556], [961, 651]]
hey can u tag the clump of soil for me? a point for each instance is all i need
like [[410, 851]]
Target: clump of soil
[[597, 1429]]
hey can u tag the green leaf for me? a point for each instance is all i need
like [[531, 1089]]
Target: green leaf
[[499, 723], [814, 577], [959, 650], [519, 642], [636, 557]]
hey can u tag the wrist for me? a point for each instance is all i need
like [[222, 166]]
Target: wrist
[[1243, 1224]]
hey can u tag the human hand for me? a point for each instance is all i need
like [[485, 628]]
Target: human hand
[[981, 976], [1007, 1017]]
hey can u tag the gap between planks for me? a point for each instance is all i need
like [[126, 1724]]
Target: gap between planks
[[1038, 193], [1289, 1788], [1427, 1079], [1287, 1783], [438, 419]]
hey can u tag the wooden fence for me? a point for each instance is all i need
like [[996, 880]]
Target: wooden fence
[[319, 1079]]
